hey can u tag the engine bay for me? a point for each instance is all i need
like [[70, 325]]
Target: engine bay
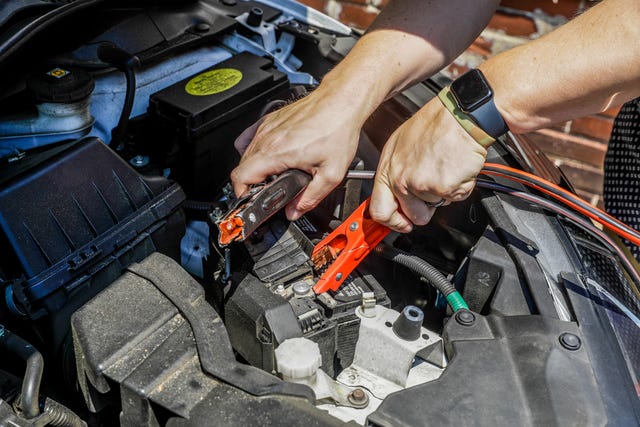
[[116, 151]]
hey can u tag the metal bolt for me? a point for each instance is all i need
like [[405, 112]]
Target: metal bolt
[[465, 318], [216, 214], [202, 27], [368, 306], [358, 397], [570, 341], [301, 288], [139, 161], [338, 276], [280, 289], [353, 226], [229, 226], [252, 217]]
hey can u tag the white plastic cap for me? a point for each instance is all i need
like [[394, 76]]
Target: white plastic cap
[[298, 358]]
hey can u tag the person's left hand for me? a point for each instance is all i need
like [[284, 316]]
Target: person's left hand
[[427, 159]]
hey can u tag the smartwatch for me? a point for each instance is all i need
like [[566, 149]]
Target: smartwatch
[[474, 97]]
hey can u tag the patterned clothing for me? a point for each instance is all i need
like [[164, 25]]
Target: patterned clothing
[[622, 170]]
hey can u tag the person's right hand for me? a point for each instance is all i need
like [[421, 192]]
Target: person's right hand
[[317, 134]]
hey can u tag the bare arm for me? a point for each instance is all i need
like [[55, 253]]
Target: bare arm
[[410, 40], [584, 67]]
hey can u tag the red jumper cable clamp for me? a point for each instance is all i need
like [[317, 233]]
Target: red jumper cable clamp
[[346, 247]]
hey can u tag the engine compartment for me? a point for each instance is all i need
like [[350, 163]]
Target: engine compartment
[[112, 270]]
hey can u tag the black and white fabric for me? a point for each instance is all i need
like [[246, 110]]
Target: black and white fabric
[[622, 169]]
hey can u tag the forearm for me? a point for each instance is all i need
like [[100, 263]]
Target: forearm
[[583, 67], [410, 40]]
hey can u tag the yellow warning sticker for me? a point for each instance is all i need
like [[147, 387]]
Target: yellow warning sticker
[[58, 73], [214, 81]]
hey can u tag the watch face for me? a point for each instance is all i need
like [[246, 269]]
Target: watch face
[[471, 90]]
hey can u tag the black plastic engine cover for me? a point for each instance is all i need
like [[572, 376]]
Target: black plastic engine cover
[[66, 220], [153, 339], [503, 371]]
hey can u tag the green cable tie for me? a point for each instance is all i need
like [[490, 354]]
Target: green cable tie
[[456, 301]]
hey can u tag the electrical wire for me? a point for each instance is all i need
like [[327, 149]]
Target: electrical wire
[[570, 215], [574, 203], [565, 197], [426, 270]]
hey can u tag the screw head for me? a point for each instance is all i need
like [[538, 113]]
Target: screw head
[[358, 397], [202, 27], [339, 276], [570, 341], [353, 226], [465, 317], [252, 217], [358, 394], [301, 288]]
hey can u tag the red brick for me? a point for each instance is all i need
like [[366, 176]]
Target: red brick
[[598, 127], [556, 143], [357, 16], [567, 8], [582, 176], [512, 25], [316, 4], [611, 112], [355, 2], [481, 47]]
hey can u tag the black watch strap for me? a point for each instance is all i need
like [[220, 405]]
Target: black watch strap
[[475, 98], [489, 119]]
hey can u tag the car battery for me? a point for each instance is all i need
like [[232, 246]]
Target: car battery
[[275, 300], [208, 112]]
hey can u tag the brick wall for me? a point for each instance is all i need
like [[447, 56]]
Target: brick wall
[[577, 147]]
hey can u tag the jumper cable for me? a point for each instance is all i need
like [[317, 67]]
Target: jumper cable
[[343, 250], [259, 204]]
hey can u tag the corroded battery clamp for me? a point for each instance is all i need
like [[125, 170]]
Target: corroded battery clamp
[[259, 204]]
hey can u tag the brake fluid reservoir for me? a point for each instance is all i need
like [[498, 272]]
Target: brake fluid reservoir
[[61, 97]]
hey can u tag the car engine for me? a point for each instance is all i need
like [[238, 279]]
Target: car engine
[[116, 145]]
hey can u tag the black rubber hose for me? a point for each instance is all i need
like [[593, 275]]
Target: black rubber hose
[[127, 63], [198, 206], [417, 265], [28, 402], [198, 210], [58, 415], [119, 131]]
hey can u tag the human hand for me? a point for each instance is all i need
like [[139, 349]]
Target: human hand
[[317, 134], [427, 159]]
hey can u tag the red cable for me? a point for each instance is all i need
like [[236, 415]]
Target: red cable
[[563, 196]]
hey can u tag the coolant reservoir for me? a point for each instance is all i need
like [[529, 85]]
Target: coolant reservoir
[[61, 97]]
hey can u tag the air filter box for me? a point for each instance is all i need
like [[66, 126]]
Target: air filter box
[[70, 224], [208, 111]]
